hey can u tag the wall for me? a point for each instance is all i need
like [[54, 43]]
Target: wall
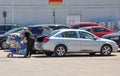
[[27, 12]]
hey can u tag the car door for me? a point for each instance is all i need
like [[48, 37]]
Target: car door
[[88, 41], [71, 40]]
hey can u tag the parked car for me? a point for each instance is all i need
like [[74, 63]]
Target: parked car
[[52, 26], [38, 30], [64, 41], [98, 30], [83, 24], [6, 27], [113, 36], [3, 37]]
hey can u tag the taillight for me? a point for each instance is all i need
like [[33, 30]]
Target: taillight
[[45, 39]]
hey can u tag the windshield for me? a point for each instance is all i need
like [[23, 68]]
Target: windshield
[[85, 25], [21, 31], [12, 31]]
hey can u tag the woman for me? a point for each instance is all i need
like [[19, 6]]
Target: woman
[[30, 41]]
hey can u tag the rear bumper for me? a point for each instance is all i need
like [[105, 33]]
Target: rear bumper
[[38, 46], [43, 46]]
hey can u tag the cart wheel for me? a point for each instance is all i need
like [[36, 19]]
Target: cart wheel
[[8, 55], [11, 55]]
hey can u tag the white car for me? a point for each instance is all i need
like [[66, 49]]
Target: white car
[[64, 41]]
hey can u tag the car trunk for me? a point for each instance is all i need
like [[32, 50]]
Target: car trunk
[[40, 38]]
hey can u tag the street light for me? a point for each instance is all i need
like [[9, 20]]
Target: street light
[[4, 16], [54, 15]]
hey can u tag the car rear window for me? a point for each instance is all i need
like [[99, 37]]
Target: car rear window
[[82, 25], [54, 32], [36, 30]]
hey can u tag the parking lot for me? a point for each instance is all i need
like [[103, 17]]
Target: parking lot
[[70, 65]]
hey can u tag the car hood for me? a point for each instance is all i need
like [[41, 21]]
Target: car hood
[[106, 40], [111, 35]]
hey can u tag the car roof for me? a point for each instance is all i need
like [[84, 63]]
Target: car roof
[[71, 30], [8, 25], [48, 25], [78, 23], [65, 30]]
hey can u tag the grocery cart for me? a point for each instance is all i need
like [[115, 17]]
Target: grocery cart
[[17, 47]]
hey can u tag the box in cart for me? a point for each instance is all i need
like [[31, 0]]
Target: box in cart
[[13, 50]]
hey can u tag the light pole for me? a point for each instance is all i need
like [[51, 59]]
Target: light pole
[[66, 10], [12, 11], [54, 15]]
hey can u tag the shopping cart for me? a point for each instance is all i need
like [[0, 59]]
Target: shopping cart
[[17, 47]]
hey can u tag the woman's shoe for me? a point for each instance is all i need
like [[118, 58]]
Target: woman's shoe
[[25, 56], [29, 56]]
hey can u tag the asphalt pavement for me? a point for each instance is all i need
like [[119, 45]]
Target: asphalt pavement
[[69, 65]]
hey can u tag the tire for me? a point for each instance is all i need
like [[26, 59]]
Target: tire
[[4, 45], [60, 50], [0, 48], [91, 54], [106, 50], [49, 53]]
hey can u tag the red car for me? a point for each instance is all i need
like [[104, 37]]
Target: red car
[[83, 24], [98, 30]]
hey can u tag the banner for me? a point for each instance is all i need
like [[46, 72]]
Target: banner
[[55, 2]]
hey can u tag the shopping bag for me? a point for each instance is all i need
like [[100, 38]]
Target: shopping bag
[[22, 51]]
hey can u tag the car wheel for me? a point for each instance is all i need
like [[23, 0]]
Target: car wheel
[[5, 45], [106, 50], [49, 53], [60, 50]]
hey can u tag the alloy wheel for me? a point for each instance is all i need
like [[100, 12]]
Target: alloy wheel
[[4, 45], [60, 51], [106, 50]]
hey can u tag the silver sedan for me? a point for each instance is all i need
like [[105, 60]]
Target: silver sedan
[[64, 41]]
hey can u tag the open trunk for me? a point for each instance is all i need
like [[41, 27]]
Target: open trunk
[[40, 38]]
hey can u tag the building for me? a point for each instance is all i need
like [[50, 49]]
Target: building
[[28, 12]]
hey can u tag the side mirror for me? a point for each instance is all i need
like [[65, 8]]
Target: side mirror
[[95, 38]]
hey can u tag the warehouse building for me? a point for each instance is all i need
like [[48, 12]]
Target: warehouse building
[[28, 12]]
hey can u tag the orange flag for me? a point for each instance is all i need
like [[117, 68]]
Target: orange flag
[[55, 2]]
